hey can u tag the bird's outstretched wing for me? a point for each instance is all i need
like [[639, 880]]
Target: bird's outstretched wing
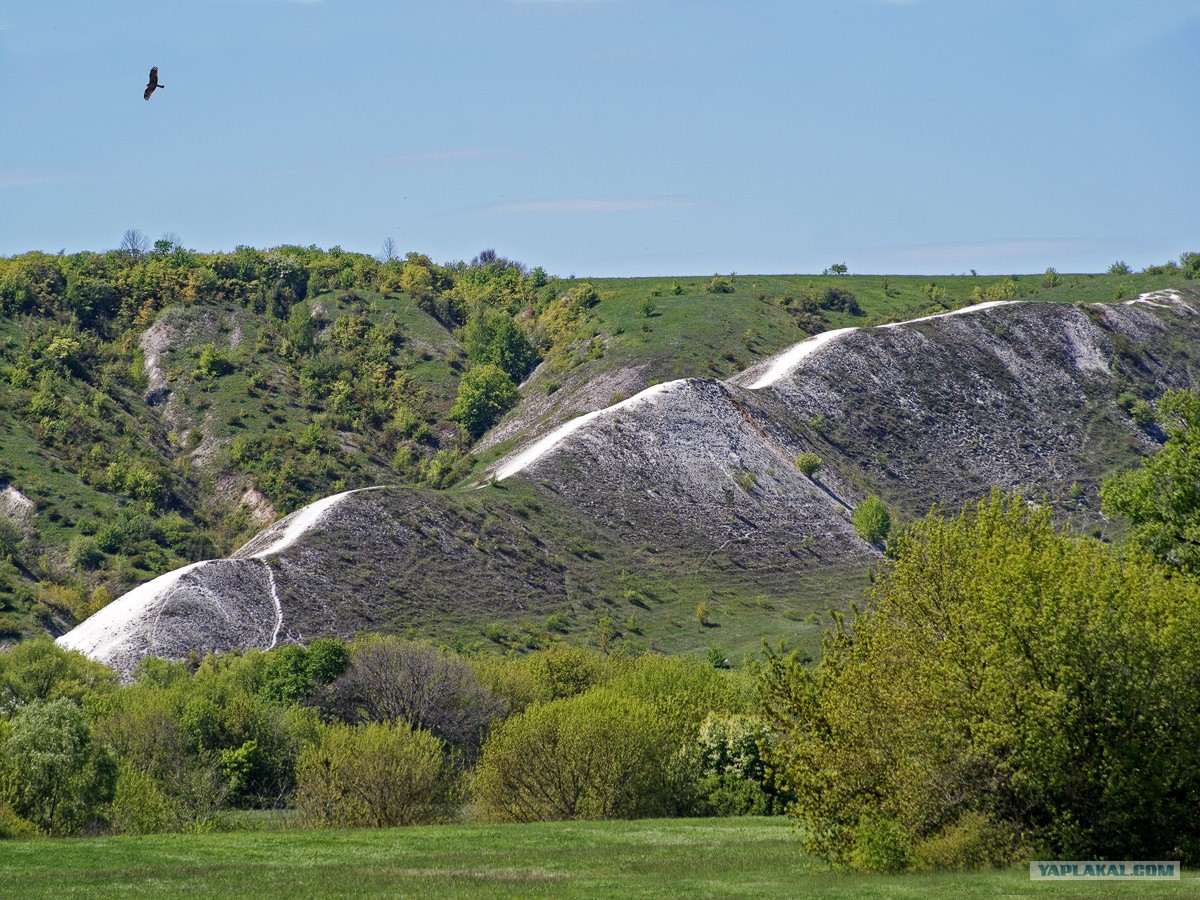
[[152, 84]]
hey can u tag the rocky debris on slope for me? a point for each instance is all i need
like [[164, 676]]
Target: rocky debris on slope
[[386, 558], [201, 608], [153, 343], [699, 460], [14, 505], [1019, 397]]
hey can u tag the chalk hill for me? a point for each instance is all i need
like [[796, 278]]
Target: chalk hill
[[615, 526]]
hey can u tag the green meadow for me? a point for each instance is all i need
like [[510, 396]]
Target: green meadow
[[743, 857]]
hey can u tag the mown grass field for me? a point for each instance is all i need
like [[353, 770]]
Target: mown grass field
[[657, 858]]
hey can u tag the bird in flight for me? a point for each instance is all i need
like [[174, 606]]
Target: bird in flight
[[153, 83]]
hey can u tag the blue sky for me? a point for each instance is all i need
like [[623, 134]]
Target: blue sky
[[613, 137]]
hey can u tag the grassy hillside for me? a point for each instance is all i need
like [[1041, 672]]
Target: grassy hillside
[[160, 408]]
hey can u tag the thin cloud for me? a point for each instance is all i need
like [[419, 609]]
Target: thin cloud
[[20, 178], [582, 206]]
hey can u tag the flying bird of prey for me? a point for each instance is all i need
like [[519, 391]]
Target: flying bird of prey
[[153, 83]]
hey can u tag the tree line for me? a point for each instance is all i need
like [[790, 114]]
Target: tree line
[[379, 732]]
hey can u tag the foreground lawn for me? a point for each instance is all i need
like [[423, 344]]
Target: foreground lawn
[[662, 858]]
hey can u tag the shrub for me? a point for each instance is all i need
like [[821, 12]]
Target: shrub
[[376, 775], [719, 285], [51, 773], [212, 363], [389, 678], [585, 294], [84, 552], [808, 463], [831, 297], [598, 755], [484, 394], [974, 842], [13, 826], [1120, 267], [881, 844], [872, 521], [1161, 498], [733, 772]]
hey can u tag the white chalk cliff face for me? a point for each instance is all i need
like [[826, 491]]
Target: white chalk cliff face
[[206, 606], [1016, 395]]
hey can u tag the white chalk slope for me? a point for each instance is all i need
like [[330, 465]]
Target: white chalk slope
[[762, 375], [181, 611]]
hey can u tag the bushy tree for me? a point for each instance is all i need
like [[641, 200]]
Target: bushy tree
[[1161, 498], [390, 678], [484, 394], [1008, 686], [808, 463], [872, 521], [378, 775], [493, 336], [597, 755], [51, 772], [730, 751], [38, 669], [294, 673]]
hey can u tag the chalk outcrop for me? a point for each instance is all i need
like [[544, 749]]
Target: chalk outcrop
[[938, 409]]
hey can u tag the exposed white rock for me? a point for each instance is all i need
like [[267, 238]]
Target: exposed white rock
[[207, 605], [1162, 299], [14, 505], [97, 636], [784, 364], [527, 456], [289, 529]]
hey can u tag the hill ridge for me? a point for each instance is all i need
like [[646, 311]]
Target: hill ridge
[[1019, 397]]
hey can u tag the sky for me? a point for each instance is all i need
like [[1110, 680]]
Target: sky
[[612, 137]]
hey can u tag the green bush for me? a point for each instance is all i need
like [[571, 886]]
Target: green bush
[[1161, 498], [376, 775], [51, 772], [872, 521], [484, 394], [881, 844], [597, 755], [13, 826], [140, 805], [84, 552], [212, 363], [719, 285], [973, 842], [1001, 668], [808, 463]]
